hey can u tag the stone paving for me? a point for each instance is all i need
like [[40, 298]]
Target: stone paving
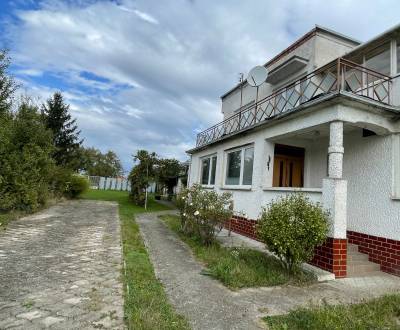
[[207, 304], [61, 269]]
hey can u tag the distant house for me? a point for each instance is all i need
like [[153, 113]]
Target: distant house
[[326, 124]]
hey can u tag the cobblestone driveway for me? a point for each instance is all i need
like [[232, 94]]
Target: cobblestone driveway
[[61, 269]]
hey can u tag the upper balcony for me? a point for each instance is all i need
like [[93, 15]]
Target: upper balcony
[[338, 76]]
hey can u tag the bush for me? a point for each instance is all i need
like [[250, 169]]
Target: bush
[[203, 213], [25, 160], [292, 227], [77, 185]]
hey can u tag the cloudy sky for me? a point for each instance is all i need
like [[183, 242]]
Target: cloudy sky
[[148, 74]]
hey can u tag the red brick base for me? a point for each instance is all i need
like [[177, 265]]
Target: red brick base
[[243, 226], [383, 251], [332, 256]]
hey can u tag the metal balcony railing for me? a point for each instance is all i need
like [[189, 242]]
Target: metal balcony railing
[[340, 75]]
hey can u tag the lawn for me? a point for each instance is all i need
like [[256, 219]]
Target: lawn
[[381, 313], [238, 268], [146, 304]]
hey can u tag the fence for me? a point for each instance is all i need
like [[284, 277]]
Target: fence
[[122, 184], [102, 183]]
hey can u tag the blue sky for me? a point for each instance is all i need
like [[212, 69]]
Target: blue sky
[[148, 74]]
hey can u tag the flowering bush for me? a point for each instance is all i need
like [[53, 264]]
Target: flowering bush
[[291, 227], [203, 212]]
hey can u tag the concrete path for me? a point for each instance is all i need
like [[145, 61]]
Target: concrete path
[[209, 305], [61, 269]]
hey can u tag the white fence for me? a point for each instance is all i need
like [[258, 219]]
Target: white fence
[[102, 183]]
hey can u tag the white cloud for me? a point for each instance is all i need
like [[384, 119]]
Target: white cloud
[[177, 56]]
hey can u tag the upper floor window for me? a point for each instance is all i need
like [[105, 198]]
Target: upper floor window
[[208, 169], [239, 166], [379, 59], [398, 55]]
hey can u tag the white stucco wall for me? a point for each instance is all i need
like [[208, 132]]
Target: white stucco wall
[[368, 170], [367, 166], [318, 50]]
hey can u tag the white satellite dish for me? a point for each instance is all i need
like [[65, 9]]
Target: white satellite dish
[[257, 76]]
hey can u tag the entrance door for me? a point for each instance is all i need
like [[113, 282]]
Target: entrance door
[[288, 167]]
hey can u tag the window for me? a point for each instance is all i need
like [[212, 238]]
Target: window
[[398, 55], [208, 170], [239, 167], [379, 59]]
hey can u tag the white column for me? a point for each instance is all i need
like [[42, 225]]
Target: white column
[[334, 188], [335, 150]]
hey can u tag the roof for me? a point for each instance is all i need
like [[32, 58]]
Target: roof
[[298, 43]]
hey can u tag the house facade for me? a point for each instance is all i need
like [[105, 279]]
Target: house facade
[[326, 123]]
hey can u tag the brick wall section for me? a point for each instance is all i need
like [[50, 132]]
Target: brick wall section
[[243, 226], [332, 256], [383, 251]]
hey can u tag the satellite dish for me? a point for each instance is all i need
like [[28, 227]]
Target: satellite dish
[[257, 76]]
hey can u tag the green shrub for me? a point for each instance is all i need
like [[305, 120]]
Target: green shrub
[[77, 185], [203, 213], [291, 227], [25, 160]]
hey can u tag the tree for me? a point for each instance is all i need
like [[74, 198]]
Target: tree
[[65, 131], [26, 163], [93, 162], [7, 84], [167, 173], [141, 175]]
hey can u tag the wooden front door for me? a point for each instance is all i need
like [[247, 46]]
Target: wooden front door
[[288, 171]]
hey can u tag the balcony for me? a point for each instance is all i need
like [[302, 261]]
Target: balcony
[[339, 76]]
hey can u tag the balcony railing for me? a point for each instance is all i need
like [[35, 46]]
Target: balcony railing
[[340, 75]]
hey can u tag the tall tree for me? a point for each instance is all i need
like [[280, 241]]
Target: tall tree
[[94, 162], [7, 84], [65, 131], [142, 174]]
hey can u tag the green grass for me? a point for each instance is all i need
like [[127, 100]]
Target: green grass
[[146, 304], [7, 217], [238, 268], [381, 313]]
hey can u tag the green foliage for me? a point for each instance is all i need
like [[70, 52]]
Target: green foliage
[[291, 227], [95, 163], [77, 185], [237, 267], [7, 84], [167, 172], [380, 313], [26, 164], [203, 213], [65, 131], [141, 175]]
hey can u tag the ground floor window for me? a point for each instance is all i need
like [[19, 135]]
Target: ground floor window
[[239, 166], [288, 166], [208, 169]]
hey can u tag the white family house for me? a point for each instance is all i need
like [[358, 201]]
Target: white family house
[[327, 124]]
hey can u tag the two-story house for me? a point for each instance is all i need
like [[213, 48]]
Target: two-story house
[[326, 123]]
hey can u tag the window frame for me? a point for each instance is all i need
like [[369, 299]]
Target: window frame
[[211, 158], [240, 185]]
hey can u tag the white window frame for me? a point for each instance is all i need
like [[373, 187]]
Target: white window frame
[[208, 185], [239, 186]]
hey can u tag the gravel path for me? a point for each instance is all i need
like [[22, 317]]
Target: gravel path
[[207, 304], [61, 269]]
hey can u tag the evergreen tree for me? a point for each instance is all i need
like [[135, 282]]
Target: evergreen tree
[[65, 131], [7, 84]]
